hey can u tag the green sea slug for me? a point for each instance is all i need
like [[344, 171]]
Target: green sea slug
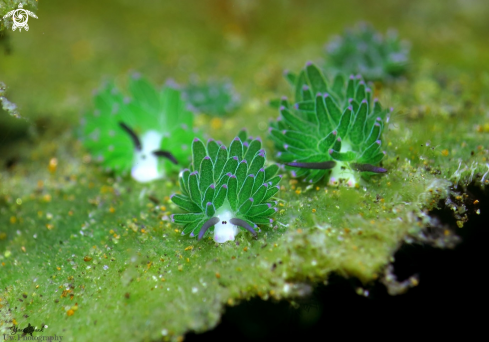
[[336, 126], [147, 133], [226, 189], [363, 50], [215, 98]]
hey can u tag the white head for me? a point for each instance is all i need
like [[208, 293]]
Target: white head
[[224, 230], [145, 168]]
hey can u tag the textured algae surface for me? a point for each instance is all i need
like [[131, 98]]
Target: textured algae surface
[[96, 256]]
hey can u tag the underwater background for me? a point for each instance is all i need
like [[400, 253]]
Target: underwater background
[[95, 255]]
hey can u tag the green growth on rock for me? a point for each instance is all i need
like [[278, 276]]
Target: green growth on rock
[[8, 106], [226, 188], [212, 98], [147, 133], [365, 51], [335, 127]]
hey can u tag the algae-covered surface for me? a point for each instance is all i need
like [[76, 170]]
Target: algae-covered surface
[[92, 255]]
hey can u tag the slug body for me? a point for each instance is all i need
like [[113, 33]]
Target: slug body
[[215, 98], [226, 189], [363, 50], [145, 134], [331, 130]]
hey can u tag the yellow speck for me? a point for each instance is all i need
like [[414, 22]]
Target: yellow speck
[[49, 226], [111, 231], [298, 191], [444, 153], [149, 264], [372, 222], [53, 164], [188, 259], [14, 321], [476, 202], [163, 208], [245, 249], [3, 263], [13, 219], [275, 245], [23, 249], [163, 279], [218, 275], [189, 248], [299, 230], [180, 267], [177, 231], [70, 212], [112, 210], [47, 198], [313, 210], [70, 312], [143, 230], [216, 123], [58, 268], [317, 188]]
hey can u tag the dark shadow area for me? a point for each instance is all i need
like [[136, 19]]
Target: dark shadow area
[[451, 297]]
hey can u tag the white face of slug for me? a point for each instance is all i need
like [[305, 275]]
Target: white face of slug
[[145, 167], [342, 171], [224, 230]]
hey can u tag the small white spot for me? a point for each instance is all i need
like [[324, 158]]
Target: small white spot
[[106, 267], [194, 290]]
